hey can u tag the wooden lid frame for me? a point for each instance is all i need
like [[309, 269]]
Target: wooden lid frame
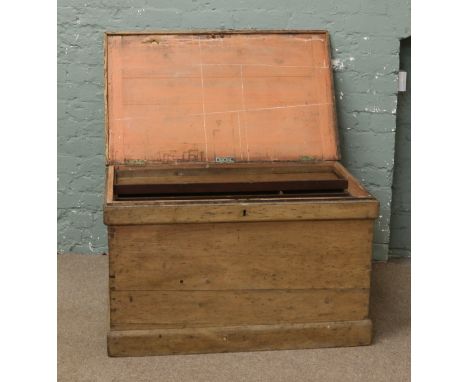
[[210, 96]]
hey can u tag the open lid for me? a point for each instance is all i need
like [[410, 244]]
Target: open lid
[[212, 96]]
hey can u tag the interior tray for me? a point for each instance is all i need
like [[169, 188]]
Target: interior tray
[[150, 184]]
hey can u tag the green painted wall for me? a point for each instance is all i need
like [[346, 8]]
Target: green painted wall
[[365, 48], [400, 227]]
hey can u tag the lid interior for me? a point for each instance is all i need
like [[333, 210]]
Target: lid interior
[[204, 97]]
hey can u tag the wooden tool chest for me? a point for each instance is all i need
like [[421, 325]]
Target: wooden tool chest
[[232, 225]]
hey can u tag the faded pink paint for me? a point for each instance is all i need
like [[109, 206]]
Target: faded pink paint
[[254, 97]]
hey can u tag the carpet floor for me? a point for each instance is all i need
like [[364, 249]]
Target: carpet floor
[[82, 328]]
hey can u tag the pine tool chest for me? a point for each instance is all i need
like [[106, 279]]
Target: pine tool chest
[[232, 226]]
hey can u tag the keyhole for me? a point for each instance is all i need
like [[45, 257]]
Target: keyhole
[[244, 213]]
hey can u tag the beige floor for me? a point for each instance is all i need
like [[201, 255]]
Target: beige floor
[[82, 326]]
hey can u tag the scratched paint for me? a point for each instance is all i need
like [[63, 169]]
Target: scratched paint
[[198, 97]]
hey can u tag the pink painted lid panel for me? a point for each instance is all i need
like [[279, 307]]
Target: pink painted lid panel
[[196, 97]]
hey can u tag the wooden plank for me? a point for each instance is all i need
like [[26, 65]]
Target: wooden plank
[[315, 196], [230, 187], [240, 197], [111, 265], [221, 176], [109, 184], [260, 255], [199, 212], [200, 169], [237, 307], [217, 32], [333, 137], [241, 338], [106, 102]]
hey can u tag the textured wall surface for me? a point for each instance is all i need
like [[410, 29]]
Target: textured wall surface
[[400, 224], [365, 48]]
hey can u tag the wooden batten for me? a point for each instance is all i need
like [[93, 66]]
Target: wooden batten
[[110, 180], [239, 338]]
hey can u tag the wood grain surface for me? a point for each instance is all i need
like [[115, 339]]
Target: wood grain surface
[[195, 97], [261, 255], [239, 338], [241, 211], [237, 307]]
